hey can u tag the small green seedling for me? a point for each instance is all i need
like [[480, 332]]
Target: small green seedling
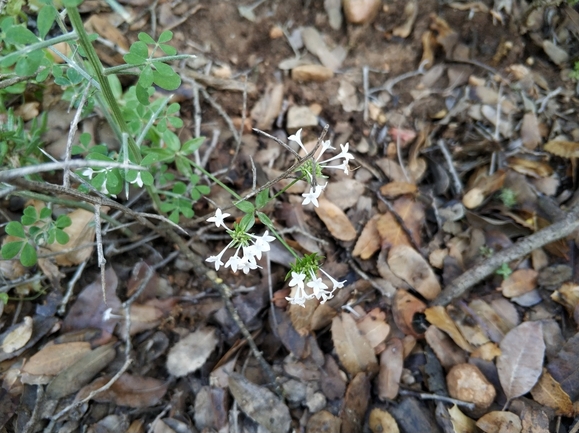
[[505, 271]]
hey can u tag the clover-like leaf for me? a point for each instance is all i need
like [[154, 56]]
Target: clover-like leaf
[[28, 255], [166, 36], [61, 236], [11, 249], [190, 146], [262, 198], [144, 37], [245, 207], [14, 228], [45, 19]]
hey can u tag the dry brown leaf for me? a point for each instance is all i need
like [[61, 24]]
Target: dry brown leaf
[[369, 241], [568, 296], [548, 392], [487, 351], [406, 263], [500, 422], [565, 149], [268, 107], [374, 327], [51, 360], [353, 349], [81, 232], [521, 361], [381, 421], [519, 282], [404, 307], [128, 390], [410, 14], [102, 24], [438, 316], [483, 187], [460, 422], [530, 167], [335, 220], [191, 352], [395, 189], [391, 364], [260, 404], [428, 45], [18, 336], [530, 134], [446, 350], [495, 326], [393, 171]]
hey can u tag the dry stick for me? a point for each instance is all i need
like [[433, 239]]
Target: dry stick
[[221, 112], [556, 231], [35, 416], [225, 291], [448, 157], [426, 396], [71, 284]]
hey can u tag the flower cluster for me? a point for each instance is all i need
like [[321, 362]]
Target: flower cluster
[[250, 245], [304, 274], [313, 168]]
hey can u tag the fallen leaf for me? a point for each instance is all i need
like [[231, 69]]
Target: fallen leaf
[[266, 110], [103, 25], [564, 369], [446, 350], [369, 240], [406, 263], [500, 422], [568, 296], [548, 392], [374, 327], [519, 282], [404, 307], [260, 404], [487, 351], [335, 220], [410, 14], [491, 322], [439, 317], [52, 359], [391, 364], [355, 352], [211, 408], [356, 403], [17, 336], [562, 148], [460, 422], [395, 189], [380, 421], [191, 352], [314, 43], [128, 390], [521, 361], [324, 421]]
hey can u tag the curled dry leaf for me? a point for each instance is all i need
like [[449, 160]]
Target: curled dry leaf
[[530, 134], [355, 352], [411, 213], [369, 241], [460, 422], [381, 421], [519, 282], [260, 404], [487, 351], [51, 360], [439, 317], [391, 364], [499, 422], [191, 352], [483, 187], [493, 323], [335, 220], [521, 362], [408, 264], [410, 14], [356, 403], [374, 327], [404, 307], [446, 350], [564, 369], [568, 296], [17, 336], [548, 392], [268, 107], [395, 189], [562, 148]]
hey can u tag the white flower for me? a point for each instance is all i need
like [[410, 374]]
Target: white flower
[[261, 243], [312, 196], [298, 139], [247, 263], [320, 290], [138, 180], [88, 172], [300, 296], [234, 262], [218, 218], [336, 284]]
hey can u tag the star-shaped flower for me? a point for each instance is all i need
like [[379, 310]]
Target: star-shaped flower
[[218, 218]]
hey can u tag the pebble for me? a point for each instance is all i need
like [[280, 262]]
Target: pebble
[[300, 117], [361, 11], [466, 382], [306, 73], [558, 55]]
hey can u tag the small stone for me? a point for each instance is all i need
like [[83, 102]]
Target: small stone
[[315, 400], [361, 11], [558, 55], [275, 32], [300, 117], [466, 382], [307, 73]]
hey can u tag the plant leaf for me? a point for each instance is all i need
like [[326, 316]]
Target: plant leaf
[[14, 228], [521, 362]]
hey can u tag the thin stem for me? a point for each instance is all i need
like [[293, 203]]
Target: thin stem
[[121, 68], [41, 45]]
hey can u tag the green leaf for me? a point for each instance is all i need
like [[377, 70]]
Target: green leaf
[[14, 228], [246, 207], [85, 138], [63, 221], [151, 158], [147, 178], [28, 255], [192, 145], [11, 249], [45, 213], [173, 108], [45, 19], [183, 165], [71, 3], [134, 59], [166, 36], [203, 189], [174, 217], [163, 155], [262, 198], [116, 86], [167, 206], [29, 63], [167, 82], [142, 94], [171, 141], [264, 219], [144, 37], [139, 49], [61, 237], [168, 49], [175, 122], [179, 188], [28, 220], [20, 35], [146, 77], [4, 298], [247, 222]]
